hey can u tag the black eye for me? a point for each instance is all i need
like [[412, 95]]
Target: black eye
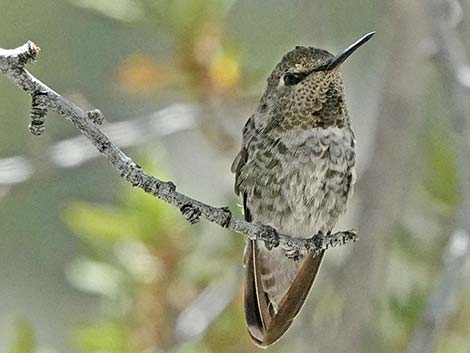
[[293, 78]]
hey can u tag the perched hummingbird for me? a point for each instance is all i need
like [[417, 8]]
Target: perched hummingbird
[[295, 172]]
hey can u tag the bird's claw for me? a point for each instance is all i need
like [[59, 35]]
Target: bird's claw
[[270, 237], [191, 213], [294, 254]]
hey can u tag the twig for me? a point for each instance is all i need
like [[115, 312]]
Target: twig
[[12, 64], [453, 65]]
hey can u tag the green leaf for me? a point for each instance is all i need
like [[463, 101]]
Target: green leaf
[[409, 309], [441, 176], [101, 222], [104, 337], [24, 340]]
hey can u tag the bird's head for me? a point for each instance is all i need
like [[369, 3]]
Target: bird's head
[[305, 89]]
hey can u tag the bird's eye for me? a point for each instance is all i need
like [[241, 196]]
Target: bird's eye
[[293, 78]]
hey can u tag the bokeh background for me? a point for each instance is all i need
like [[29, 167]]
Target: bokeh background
[[88, 264]]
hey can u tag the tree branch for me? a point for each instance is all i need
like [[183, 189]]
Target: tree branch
[[386, 179], [12, 64]]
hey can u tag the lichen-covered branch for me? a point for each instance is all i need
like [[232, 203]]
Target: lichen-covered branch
[[12, 64]]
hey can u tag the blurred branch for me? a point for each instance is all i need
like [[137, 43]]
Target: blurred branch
[[452, 62], [75, 151], [194, 320], [383, 186], [12, 64]]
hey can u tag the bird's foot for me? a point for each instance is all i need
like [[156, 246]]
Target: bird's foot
[[227, 215], [294, 254], [270, 237], [191, 213]]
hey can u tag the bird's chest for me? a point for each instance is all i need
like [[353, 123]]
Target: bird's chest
[[301, 182]]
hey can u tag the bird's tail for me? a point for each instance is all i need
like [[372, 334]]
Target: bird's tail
[[275, 291]]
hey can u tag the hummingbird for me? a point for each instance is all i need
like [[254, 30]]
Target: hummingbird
[[295, 172]]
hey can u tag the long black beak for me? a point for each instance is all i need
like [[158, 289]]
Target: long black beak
[[340, 58]]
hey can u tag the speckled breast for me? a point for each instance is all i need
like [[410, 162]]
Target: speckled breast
[[299, 182]]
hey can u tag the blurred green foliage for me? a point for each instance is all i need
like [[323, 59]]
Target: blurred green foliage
[[24, 340], [105, 337], [204, 61], [145, 264]]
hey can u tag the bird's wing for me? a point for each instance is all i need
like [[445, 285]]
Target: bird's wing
[[257, 314], [242, 156]]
